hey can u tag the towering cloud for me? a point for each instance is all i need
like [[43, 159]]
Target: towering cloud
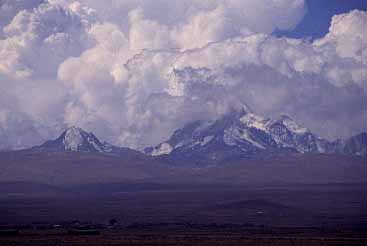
[[134, 70]]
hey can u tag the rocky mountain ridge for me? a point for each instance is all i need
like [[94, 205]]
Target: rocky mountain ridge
[[237, 135], [245, 135]]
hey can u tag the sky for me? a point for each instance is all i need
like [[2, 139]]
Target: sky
[[316, 22], [133, 71]]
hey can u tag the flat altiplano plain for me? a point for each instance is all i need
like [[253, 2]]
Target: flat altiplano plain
[[308, 205], [334, 214]]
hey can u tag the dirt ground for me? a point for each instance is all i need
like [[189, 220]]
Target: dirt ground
[[177, 238], [304, 216]]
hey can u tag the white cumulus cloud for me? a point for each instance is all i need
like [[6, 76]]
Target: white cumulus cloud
[[132, 71]]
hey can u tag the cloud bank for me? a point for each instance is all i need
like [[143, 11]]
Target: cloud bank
[[132, 71]]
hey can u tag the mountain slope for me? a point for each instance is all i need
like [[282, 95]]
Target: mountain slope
[[245, 135], [77, 156], [244, 144], [356, 145], [75, 139]]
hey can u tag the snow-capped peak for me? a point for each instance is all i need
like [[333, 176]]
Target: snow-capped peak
[[240, 133], [76, 139], [255, 121], [163, 149], [73, 138], [291, 125]]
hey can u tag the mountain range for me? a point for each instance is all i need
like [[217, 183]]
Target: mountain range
[[245, 135], [236, 135], [238, 148]]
